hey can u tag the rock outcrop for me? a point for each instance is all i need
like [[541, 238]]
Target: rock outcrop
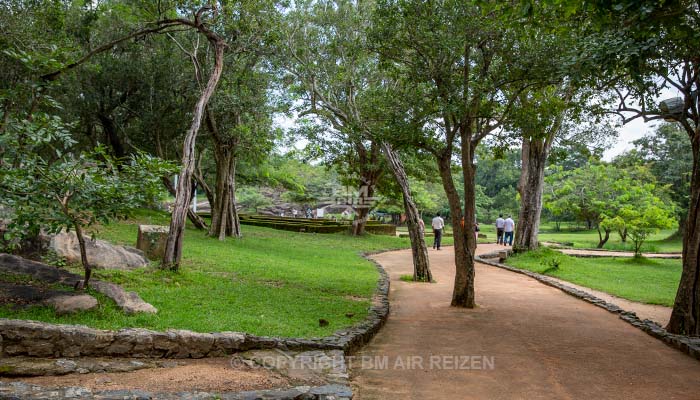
[[100, 254]]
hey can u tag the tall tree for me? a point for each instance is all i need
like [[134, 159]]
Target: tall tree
[[457, 63], [538, 115], [325, 52], [642, 48]]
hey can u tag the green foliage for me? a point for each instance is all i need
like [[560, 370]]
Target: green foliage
[[575, 235], [610, 198], [47, 186], [251, 199], [666, 154]]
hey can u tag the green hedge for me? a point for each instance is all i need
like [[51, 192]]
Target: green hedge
[[382, 229], [312, 225]]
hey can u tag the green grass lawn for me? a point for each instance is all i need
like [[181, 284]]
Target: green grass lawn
[[662, 242], [270, 282], [645, 280]]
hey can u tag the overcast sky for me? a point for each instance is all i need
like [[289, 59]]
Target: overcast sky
[[628, 133]]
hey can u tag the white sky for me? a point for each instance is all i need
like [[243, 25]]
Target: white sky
[[628, 133], [636, 129]]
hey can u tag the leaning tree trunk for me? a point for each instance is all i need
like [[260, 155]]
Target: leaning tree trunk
[[421, 263], [530, 187], [224, 217], [196, 220], [173, 247], [685, 317]]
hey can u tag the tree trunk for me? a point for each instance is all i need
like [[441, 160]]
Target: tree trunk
[[196, 220], [463, 294], [224, 217], [421, 263], [173, 247], [530, 187], [83, 257], [623, 235], [361, 213], [685, 317], [603, 239], [110, 130]]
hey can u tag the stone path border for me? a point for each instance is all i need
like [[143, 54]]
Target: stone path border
[[20, 390], [690, 346]]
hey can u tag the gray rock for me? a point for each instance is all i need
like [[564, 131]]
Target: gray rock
[[67, 304], [100, 253], [130, 302]]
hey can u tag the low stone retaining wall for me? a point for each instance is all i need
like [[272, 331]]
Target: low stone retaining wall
[[20, 390], [40, 339], [688, 345]]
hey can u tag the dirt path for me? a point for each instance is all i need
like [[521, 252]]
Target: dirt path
[[525, 341]]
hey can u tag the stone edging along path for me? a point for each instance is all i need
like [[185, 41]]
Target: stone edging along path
[[40, 339], [20, 390], [690, 346]]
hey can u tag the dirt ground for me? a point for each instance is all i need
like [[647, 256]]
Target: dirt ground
[[525, 340], [207, 375]]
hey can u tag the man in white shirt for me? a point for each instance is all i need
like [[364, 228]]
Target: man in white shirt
[[508, 228], [500, 223], [438, 225]]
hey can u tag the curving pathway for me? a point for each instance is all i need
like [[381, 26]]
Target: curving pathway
[[526, 340]]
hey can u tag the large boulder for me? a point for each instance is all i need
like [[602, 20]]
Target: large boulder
[[152, 239], [100, 254]]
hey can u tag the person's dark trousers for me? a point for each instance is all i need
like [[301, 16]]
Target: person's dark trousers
[[438, 238], [499, 236], [508, 239]]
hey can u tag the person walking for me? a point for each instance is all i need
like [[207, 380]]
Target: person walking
[[438, 225], [508, 229], [500, 224]]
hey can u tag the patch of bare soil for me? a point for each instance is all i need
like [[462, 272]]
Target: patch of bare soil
[[207, 375]]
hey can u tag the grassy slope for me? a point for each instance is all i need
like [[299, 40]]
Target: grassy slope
[[645, 280], [268, 283], [662, 242]]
